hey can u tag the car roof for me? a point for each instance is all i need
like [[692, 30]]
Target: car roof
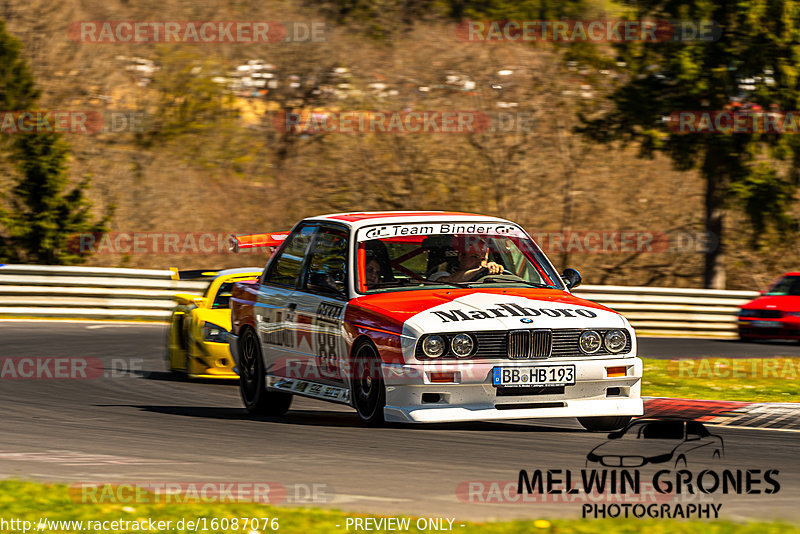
[[359, 219]]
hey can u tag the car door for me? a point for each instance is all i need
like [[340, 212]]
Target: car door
[[319, 315], [274, 314]]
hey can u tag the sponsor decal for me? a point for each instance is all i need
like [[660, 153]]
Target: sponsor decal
[[510, 310], [276, 333], [327, 337], [397, 230], [312, 389]]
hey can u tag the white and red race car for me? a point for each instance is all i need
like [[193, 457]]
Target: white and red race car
[[428, 317]]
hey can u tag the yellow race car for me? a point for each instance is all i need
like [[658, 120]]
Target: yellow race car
[[197, 344]]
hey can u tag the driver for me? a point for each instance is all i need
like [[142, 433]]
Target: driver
[[473, 261]]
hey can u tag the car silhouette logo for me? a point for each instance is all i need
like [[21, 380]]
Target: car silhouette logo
[[656, 441]]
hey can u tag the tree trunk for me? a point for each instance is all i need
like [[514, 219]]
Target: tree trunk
[[715, 174]]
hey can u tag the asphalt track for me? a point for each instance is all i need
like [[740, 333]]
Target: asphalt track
[[137, 423]]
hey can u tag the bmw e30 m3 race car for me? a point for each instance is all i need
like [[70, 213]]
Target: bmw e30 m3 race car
[[196, 340], [429, 317]]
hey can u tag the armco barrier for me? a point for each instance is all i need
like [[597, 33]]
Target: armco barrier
[[44, 291], [143, 294], [668, 311]]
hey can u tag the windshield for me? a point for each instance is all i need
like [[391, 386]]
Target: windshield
[[789, 285], [410, 256], [223, 298]]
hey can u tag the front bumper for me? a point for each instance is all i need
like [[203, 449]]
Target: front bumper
[[411, 396], [755, 328], [211, 360]]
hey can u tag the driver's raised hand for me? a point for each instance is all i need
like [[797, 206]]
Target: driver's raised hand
[[492, 267]]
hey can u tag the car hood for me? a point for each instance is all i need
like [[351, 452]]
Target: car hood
[[637, 447], [486, 309], [774, 302]]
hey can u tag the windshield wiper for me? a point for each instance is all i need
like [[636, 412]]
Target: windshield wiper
[[416, 281], [441, 283], [499, 278]]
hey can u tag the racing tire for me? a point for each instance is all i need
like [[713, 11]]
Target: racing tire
[[252, 381], [369, 392], [604, 424]]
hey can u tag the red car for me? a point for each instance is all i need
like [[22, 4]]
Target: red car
[[429, 317], [775, 314]]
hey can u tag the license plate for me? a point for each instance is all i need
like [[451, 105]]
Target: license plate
[[766, 324], [551, 375]]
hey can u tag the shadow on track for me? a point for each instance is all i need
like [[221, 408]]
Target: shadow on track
[[326, 418], [167, 376]]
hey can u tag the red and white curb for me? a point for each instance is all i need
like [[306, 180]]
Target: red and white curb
[[767, 415]]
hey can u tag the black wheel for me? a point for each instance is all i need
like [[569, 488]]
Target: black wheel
[[369, 393], [604, 424], [252, 386]]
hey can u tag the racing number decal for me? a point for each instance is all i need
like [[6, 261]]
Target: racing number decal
[[327, 334]]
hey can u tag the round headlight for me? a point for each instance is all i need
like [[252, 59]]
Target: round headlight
[[462, 345], [615, 340], [434, 346], [590, 342]]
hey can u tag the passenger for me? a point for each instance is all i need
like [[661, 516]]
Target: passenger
[[473, 258], [377, 267], [373, 271]]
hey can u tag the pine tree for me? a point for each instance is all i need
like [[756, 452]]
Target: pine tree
[[40, 214]]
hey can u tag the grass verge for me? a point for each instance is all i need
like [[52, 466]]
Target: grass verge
[[27, 501], [732, 379]]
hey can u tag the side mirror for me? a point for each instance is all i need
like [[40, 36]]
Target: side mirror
[[323, 282], [572, 278]]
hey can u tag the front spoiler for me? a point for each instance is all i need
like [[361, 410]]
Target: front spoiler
[[572, 408]]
